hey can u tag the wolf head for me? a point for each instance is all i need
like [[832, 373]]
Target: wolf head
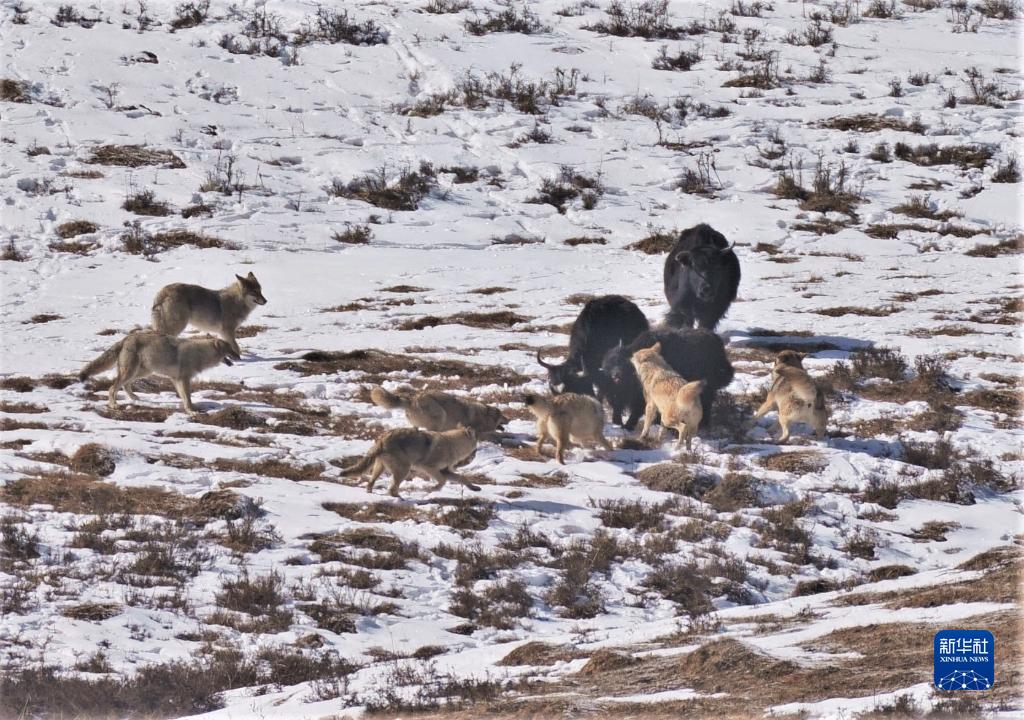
[[495, 418], [647, 354], [251, 289], [789, 357], [227, 353]]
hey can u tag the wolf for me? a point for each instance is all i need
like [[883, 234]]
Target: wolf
[[144, 352], [795, 395], [668, 393], [218, 311], [405, 450], [440, 411], [567, 416]]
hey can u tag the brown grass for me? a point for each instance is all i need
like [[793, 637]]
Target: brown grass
[[585, 240], [7, 406], [867, 122], [655, 243], [377, 365], [963, 156], [375, 511], [86, 494], [94, 459], [801, 462], [1010, 246], [179, 238], [73, 228], [271, 467], [75, 248], [133, 156], [537, 653], [863, 311], [42, 318], [234, 417], [14, 91], [92, 612], [501, 319]]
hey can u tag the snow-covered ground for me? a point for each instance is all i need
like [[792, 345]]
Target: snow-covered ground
[[292, 126]]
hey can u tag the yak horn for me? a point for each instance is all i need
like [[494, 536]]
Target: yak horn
[[542, 363]]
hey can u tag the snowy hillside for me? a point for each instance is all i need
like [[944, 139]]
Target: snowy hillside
[[428, 192]]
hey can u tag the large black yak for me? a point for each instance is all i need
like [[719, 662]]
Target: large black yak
[[702, 274], [694, 354], [602, 324]]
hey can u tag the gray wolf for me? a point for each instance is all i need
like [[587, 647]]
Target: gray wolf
[[603, 323], [694, 354], [702, 274], [144, 352], [795, 395], [440, 411], [567, 416], [405, 450], [668, 393], [218, 311]]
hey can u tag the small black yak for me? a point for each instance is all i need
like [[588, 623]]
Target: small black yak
[[694, 354], [602, 324], [702, 274]]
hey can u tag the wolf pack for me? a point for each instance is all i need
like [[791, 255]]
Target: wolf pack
[[669, 374]]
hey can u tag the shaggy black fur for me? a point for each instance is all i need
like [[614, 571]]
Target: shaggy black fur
[[694, 354], [602, 324], [702, 274]]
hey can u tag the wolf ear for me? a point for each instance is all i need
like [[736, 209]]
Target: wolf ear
[[683, 258], [241, 280], [251, 276]]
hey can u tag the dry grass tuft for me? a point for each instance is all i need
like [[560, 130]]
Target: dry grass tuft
[[92, 612], [94, 459], [73, 228], [654, 244], [377, 365], [501, 319], [133, 156]]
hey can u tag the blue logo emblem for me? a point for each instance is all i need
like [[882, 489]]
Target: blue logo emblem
[[964, 660]]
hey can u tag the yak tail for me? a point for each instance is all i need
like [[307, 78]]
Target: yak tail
[[819, 399], [385, 399], [363, 465], [104, 362]]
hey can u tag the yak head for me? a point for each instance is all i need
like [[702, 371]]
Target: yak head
[[566, 377], [705, 264], [616, 366]]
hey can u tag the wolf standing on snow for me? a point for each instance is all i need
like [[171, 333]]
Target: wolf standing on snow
[[145, 353], [795, 395], [407, 450], [218, 311]]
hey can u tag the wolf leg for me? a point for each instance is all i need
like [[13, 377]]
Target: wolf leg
[[378, 468], [399, 472]]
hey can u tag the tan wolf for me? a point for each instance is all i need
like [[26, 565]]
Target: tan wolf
[[406, 450], [218, 311], [144, 352], [440, 411], [668, 393], [567, 416], [795, 395]]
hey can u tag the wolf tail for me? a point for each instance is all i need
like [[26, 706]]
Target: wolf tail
[[363, 465], [104, 362], [385, 399]]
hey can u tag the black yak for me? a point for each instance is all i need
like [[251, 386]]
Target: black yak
[[702, 274], [602, 324], [694, 354]]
